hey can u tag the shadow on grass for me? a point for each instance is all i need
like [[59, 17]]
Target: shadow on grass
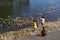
[[13, 28]]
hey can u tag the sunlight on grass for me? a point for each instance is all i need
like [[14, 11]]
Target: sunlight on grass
[[13, 35]]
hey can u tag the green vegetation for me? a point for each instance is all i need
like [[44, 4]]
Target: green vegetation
[[5, 21]]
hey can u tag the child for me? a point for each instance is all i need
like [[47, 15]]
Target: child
[[34, 25]]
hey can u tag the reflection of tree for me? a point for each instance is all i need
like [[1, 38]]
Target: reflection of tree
[[5, 8], [25, 7], [8, 7], [20, 3], [24, 3], [19, 6]]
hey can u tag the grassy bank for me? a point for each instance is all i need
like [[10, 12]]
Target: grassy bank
[[25, 32]]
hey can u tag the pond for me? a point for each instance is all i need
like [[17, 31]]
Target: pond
[[50, 9]]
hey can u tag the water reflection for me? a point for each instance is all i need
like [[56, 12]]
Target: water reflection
[[20, 7], [13, 7], [36, 8], [10, 9], [6, 8]]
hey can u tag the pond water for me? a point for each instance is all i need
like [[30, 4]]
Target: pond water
[[50, 9]]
